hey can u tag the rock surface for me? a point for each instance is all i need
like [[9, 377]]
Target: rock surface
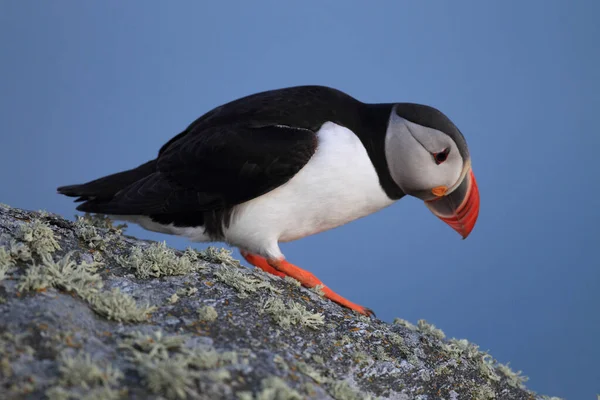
[[89, 313]]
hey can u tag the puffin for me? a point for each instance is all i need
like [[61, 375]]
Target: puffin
[[283, 164]]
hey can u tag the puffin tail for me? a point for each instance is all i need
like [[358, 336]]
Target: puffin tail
[[102, 190]]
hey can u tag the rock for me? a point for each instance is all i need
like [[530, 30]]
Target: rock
[[89, 313]]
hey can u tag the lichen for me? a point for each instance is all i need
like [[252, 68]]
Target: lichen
[[404, 323], [38, 236], [460, 347], [275, 388], [514, 379], [82, 370], [89, 234], [215, 255], [430, 329], [361, 358], [170, 368], [292, 313], [81, 279], [245, 395], [80, 374], [207, 313], [64, 274], [341, 390], [381, 354], [311, 372], [6, 262], [158, 260], [118, 306], [293, 281], [484, 392], [170, 377], [399, 343], [19, 251], [101, 221], [243, 283], [158, 344], [488, 367], [318, 289]]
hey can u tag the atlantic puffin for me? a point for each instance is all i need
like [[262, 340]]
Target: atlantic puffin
[[284, 164]]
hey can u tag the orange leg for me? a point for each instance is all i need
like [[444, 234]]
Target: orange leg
[[283, 268], [261, 263]]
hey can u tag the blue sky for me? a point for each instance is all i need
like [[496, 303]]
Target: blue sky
[[92, 88]]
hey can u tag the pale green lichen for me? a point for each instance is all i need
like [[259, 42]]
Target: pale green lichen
[[207, 313], [361, 358], [169, 368], [275, 388], [311, 372], [292, 313], [405, 323], [101, 221], [81, 279], [39, 237], [210, 358], [215, 255], [318, 289], [88, 233], [291, 280], [487, 366], [158, 260], [484, 392], [170, 377], [82, 370], [43, 213], [243, 283], [64, 274], [245, 395], [157, 344], [341, 390], [174, 298], [460, 348], [6, 262], [118, 306], [19, 251], [381, 354], [81, 374], [398, 342], [430, 329], [514, 379]]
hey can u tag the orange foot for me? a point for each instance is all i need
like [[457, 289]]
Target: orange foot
[[283, 268], [261, 263]]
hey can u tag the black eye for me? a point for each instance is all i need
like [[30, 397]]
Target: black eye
[[441, 156]]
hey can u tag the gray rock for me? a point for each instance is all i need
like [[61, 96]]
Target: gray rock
[[89, 313]]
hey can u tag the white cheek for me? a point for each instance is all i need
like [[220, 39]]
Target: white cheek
[[410, 163]]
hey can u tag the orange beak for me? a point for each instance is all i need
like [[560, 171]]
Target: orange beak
[[460, 208]]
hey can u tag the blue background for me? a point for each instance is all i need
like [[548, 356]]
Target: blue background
[[87, 90]]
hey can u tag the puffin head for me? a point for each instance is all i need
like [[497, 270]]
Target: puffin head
[[428, 158]]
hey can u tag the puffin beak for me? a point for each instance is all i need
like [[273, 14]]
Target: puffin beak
[[460, 208]]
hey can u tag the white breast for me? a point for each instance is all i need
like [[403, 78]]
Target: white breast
[[338, 185]]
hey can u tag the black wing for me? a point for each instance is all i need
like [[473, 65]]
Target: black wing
[[213, 169], [236, 152]]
